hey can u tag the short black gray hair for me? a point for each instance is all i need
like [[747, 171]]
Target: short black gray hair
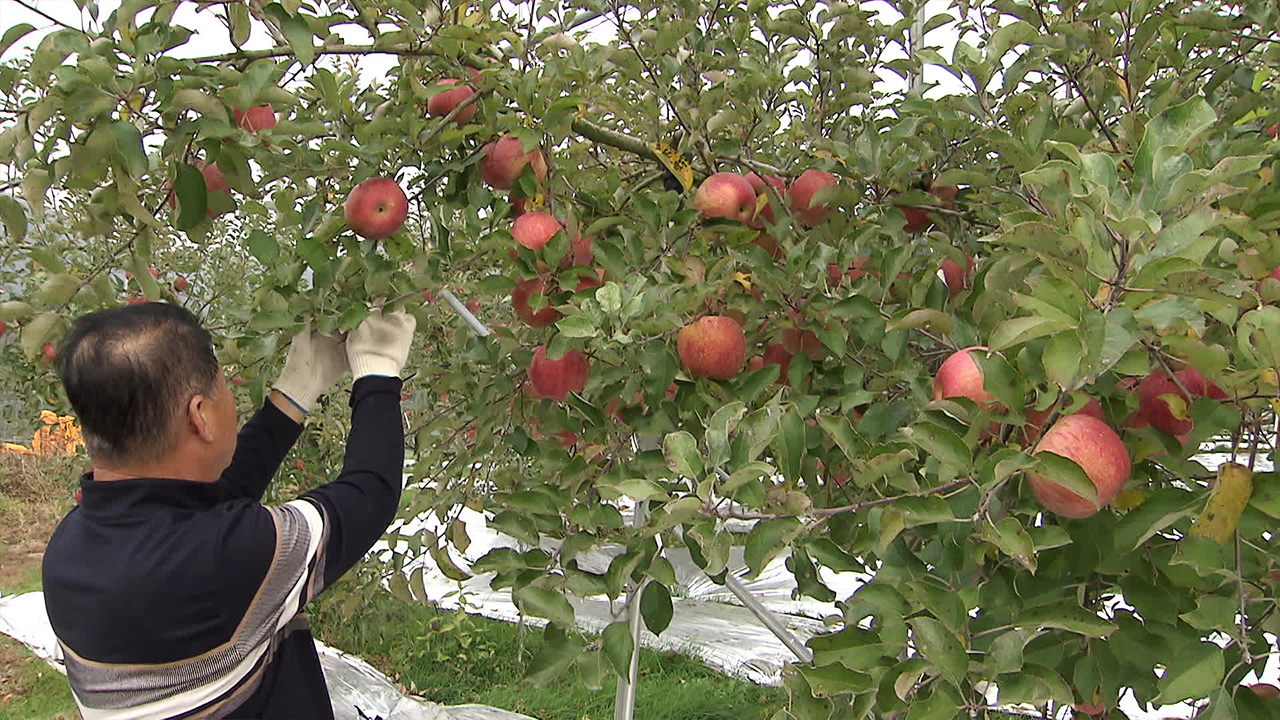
[[129, 373]]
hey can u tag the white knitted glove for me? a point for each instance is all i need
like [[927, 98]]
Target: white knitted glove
[[315, 362], [380, 346]]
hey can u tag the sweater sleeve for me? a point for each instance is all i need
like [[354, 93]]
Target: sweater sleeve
[[357, 507], [261, 446]]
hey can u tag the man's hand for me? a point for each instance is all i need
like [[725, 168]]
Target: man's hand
[[380, 346], [315, 363]]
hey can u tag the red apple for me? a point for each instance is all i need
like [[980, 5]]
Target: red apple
[[299, 465], [587, 283], [472, 305], [237, 381], [768, 244], [946, 193], [582, 253], [154, 273], [533, 230], [258, 117], [1197, 384], [917, 219], [557, 378], [854, 271], [802, 191], [213, 179], [428, 297], [1156, 411], [758, 186], [520, 295], [795, 340], [1097, 449], [956, 278], [1265, 690], [376, 208], [444, 103], [726, 195], [1274, 274], [1089, 708], [3, 327], [214, 182], [775, 354], [1273, 130], [1037, 418], [50, 352], [180, 284], [713, 346], [960, 376], [614, 407], [505, 159], [135, 299]]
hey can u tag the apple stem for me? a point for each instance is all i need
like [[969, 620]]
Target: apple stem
[[461, 311]]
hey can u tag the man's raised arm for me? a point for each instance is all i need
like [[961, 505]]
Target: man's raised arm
[[315, 362]]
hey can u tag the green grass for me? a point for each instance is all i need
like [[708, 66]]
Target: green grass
[[38, 691], [453, 658], [34, 495]]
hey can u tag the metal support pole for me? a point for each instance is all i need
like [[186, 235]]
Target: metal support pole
[[624, 703], [768, 619], [915, 36], [762, 613], [461, 310]]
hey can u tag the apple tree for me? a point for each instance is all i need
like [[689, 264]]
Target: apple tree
[[837, 270]]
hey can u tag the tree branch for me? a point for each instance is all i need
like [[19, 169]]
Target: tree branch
[[953, 485], [614, 139], [402, 49]]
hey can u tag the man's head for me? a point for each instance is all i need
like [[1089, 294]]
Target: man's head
[[149, 393]]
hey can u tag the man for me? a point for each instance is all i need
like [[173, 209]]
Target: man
[[173, 591]]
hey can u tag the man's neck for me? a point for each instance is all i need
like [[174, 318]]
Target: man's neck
[[160, 470]]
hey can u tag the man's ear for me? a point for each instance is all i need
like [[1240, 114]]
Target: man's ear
[[200, 415]]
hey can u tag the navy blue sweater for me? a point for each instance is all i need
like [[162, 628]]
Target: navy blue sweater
[[173, 598]]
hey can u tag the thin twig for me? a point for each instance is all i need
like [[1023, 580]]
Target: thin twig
[[953, 485], [47, 16]]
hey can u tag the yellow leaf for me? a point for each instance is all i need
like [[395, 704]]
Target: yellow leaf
[[675, 162], [1128, 500], [1123, 87], [468, 15], [1270, 377], [535, 203], [1104, 294], [1227, 501], [1265, 175], [1177, 406], [743, 279]]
